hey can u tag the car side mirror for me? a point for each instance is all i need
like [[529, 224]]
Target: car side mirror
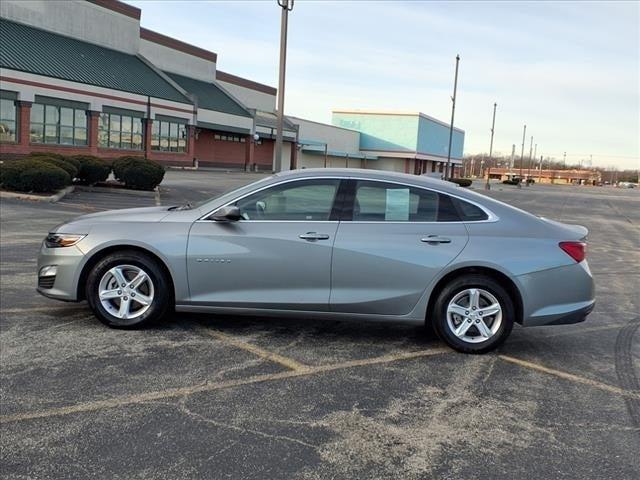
[[230, 213]]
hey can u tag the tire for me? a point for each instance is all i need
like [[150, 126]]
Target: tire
[[473, 330], [147, 297]]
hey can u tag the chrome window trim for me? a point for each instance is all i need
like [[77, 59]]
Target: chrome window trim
[[491, 217]]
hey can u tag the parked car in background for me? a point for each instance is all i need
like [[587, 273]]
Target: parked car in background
[[329, 243]]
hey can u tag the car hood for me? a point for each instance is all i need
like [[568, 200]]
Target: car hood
[[83, 223]]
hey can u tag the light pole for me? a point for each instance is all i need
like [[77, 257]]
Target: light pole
[[513, 154], [540, 169], [493, 124], [286, 6], [448, 171], [530, 152], [524, 134]]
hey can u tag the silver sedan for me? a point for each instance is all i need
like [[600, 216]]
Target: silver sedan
[[329, 243]]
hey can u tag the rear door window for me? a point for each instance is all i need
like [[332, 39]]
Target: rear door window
[[390, 202]]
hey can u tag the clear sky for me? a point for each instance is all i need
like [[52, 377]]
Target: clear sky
[[569, 70]]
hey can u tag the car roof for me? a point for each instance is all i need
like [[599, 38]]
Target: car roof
[[361, 173]]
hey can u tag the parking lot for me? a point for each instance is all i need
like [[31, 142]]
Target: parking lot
[[205, 396]]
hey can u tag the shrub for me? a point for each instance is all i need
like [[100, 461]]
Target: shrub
[[58, 156], [92, 169], [33, 175], [463, 182], [142, 174], [120, 164], [65, 165], [530, 181]]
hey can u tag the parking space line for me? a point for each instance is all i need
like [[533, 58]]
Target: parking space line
[[571, 377], [260, 352], [209, 387], [53, 310]]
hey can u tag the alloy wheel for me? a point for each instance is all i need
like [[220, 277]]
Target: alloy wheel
[[474, 315], [126, 291]]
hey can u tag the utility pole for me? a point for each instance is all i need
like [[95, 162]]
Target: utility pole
[[524, 134], [513, 155], [493, 124], [530, 152], [540, 169], [448, 171], [564, 161], [286, 6]]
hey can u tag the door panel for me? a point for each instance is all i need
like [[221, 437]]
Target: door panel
[[261, 264], [395, 239], [277, 256], [384, 268]]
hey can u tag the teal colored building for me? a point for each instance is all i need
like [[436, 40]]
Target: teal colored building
[[404, 142]]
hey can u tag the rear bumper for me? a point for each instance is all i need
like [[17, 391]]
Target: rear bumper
[[558, 296], [574, 313]]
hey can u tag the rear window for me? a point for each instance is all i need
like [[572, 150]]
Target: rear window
[[469, 212]]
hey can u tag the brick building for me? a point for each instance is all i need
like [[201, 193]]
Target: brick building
[[83, 77]]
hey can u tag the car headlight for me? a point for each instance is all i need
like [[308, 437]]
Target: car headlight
[[56, 240]]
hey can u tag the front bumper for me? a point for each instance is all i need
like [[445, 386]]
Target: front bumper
[[68, 261], [557, 296]]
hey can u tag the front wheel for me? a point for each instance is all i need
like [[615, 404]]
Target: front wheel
[[128, 289], [473, 314]]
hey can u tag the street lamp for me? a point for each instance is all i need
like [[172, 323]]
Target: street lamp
[[286, 6], [524, 133], [448, 171], [493, 124], [530, 152]]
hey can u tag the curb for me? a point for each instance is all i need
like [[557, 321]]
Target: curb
[[139, 193], [56, 197]]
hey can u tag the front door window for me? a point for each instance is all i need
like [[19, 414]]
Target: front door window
[[303, 200]]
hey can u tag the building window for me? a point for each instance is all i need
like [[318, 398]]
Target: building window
[[120, 131], [229, 138], [58, 124], [168, 136], [8, 115]]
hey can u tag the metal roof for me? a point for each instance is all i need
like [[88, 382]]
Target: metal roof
[[32, 50], [270, 120], [210, 96]]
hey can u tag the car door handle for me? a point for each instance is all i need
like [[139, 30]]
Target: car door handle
[[314, 236], [435, 239]]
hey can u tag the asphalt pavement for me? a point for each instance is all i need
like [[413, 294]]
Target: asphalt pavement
[[206, 396]]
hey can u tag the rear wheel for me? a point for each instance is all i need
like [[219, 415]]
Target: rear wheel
[[128, 289], [473, 314]]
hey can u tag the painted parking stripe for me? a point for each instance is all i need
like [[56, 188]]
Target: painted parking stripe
[[52, 310], [260, 352], [209, 387], [571, 377]]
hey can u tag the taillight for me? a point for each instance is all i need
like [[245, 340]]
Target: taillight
[[576, 250]]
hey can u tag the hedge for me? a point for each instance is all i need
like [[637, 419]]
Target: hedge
[[33, 175], [92, 169], [58, 156], [120, 164], [65, 165], [463, 182], [139, 173]]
